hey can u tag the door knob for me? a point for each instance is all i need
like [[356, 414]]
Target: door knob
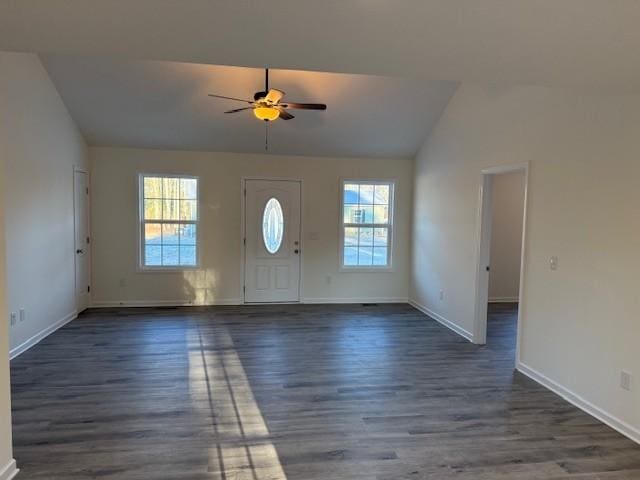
[[296, 251], [79, 251]]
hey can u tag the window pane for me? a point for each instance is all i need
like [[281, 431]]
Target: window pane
[[170, 188], [352, 214], [351, 236], [153, 233], [152, 187], [188, 210], [366, 214], [189, 188], [272, 226], [380, 256], [365, 256], [381, 196], [381, 237], [350, 256], [153, 209], [170, 210], [366, 237], [188, 235], [152, 255], [187, 255], [350, 193], [170, 234], [366, 195], [170, 255], [380, 214]]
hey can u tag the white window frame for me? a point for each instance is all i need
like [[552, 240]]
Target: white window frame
[[390, 226], [141, 267]]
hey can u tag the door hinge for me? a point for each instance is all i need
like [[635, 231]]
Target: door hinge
[[88, 288], [88, 240], [87, 190], [244, 240], [244, 288], [245, 192]]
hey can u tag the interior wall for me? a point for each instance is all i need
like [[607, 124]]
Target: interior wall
[[580, 324], [114, 211], [40, 146], [506, 236]]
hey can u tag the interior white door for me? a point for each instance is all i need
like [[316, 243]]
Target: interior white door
[[81, 227], [272, 241]]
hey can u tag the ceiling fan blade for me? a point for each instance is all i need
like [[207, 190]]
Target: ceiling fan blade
[[284, 115], [305, 106], [230, 98], [239, 109], [274, 96]]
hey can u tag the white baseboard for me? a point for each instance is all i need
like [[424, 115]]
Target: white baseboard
[[440, 319], [27, 344], [231, 301], [354, 300], [583, 404], [503, 299], [9, 471], [162, 303]]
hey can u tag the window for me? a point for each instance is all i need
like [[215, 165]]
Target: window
[[272, 226], [168, 221], [367, 216]]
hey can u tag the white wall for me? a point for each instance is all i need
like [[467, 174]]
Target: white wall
[[580, 322], [506, 236], [114, 217], [40, 145]]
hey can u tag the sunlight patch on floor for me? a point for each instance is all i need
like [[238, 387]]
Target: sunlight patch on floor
[[221, 395]]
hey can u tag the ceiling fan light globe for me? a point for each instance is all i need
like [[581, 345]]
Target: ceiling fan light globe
[[268, 114]]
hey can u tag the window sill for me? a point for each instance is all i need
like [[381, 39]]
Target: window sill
[[178, 269], [344, 269]]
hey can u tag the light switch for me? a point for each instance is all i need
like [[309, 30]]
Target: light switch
[[553, 263]]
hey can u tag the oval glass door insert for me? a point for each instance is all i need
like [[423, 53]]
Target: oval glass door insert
[[272, 226]]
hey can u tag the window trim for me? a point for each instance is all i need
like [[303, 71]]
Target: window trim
[[391, 225], [141, 267]]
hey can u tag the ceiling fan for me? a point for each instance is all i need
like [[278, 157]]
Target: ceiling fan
[[268, 105]]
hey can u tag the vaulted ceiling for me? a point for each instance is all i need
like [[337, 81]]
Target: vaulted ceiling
[[137, 72], [165, 105]]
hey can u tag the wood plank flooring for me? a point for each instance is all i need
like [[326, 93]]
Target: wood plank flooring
[[295, 392]]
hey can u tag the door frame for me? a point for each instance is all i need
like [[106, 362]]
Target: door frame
[[243, 219], [483, 222], [77, 169]]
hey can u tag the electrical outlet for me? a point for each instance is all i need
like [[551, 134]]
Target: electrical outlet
[[441, 294], [23, 315], [553, 263], [626, 380], [14, 318]]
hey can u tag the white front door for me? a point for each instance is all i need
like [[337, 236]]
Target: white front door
[[272, 241], [81, 227]]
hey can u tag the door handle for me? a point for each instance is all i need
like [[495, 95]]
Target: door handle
[[79, 251]]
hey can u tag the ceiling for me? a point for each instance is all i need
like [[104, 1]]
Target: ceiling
[[157, 104], [590, 43]]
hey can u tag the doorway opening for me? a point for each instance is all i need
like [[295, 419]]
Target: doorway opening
[[502, 216]]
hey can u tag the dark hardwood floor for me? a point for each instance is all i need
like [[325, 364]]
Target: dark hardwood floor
[[295, 392]]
